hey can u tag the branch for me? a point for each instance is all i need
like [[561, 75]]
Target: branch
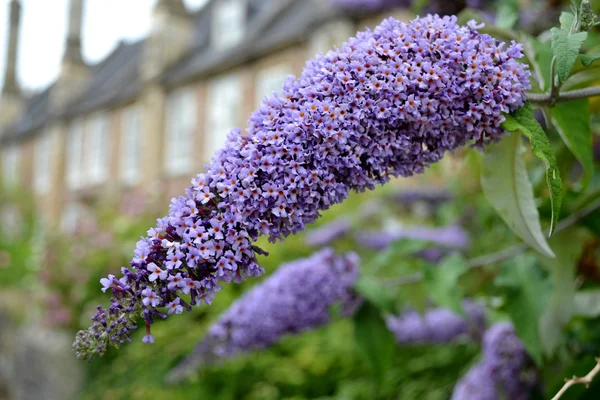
[[503, 254], [545, 99], [586, 380]]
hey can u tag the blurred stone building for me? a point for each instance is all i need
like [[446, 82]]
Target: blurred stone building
[[139, 124]]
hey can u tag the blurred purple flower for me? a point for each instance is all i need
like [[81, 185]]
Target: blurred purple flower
[[433, 197], [439, 325], [452, 236], [295, 298], [503, 373], [326, 234], [387, 103]]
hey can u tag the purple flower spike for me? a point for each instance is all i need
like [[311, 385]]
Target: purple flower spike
[[451, 236], [387, 103], [503, 373], [296, 298], [438, 325], [327, 234]]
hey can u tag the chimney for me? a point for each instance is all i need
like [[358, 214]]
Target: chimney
[[11, 86], [11, 101], [170, 38], [73, 50], [173, 6], [74, 72]]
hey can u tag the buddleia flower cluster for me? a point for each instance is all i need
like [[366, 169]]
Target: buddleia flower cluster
[[387, 103], [450, 236], [439, 325], [505, 371], [296, 298], [329, 233]]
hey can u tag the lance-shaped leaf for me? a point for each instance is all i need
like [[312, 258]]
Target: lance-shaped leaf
[[523, 120], [566, 20], [562, 271], [588, 59], [507, 187], [566, 47], [572, 121], [526, 295], [374, 339]]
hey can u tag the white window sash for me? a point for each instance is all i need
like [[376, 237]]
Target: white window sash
[[224, 111], [11, 158], [271, 80], [75, 155], [229, 22], [131, 145], [42, 163], [97, 147], [181, 124]]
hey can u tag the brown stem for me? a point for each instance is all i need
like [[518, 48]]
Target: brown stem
[[584, 380], [545, 99]]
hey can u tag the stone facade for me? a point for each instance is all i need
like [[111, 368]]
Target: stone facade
[[87, 111]]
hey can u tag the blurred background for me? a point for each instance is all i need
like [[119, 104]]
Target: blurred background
[[109, 107]]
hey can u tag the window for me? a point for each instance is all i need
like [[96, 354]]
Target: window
[[329, 36], [11, 157], [71, 218], [270, 80], [181, 123], [75, 155], [131, 151], [42, 163], [97, 149], [225, 107], [228, 22], [11, 222]]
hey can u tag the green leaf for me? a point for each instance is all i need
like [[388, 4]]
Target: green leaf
[[396, 250], [416, 296], [572, 121], [566, 20], [379, 296], [508, 14], [585, 77], [562, 271], [441, 282], [507, 187], [523, 120], [526, 294], [588, 59], [587, 303], [374, 339], [543, 61], [566, 50]]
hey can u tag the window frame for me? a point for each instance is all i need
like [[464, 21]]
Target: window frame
[[75, 157], [131, 142], [270, 80], [42, 162], [223, 34], [97, 148], [11, 160], [180, 131], [224, 111]]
